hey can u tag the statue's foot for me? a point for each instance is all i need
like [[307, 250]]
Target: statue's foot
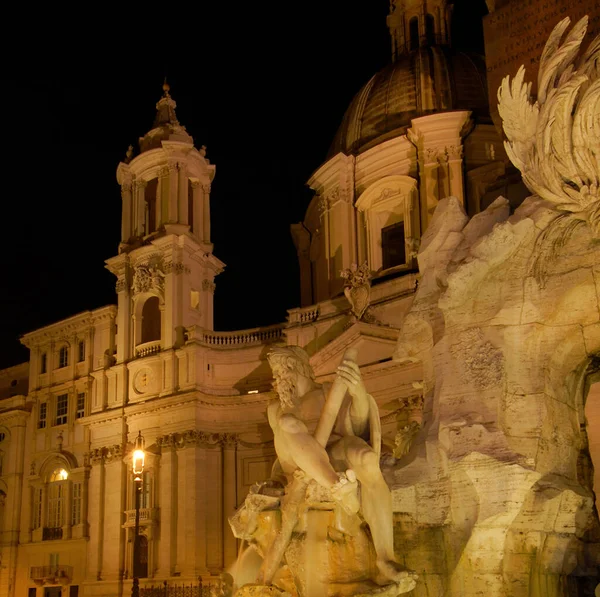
[[392, 572], [345, 492]]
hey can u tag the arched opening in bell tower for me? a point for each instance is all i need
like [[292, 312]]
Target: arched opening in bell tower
[[430, 29], [150, 196], [190, 199], [151, 320], [413, 28]]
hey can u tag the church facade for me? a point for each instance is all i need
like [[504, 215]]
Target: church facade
[[417, 132]]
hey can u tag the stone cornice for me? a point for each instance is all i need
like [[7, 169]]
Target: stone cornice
[[349, 336], [103, 454], [328, 174], [60, 329]]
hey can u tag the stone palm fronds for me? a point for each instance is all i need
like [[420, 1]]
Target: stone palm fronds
[[555, 141]]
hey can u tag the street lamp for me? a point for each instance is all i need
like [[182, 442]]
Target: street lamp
[[138, 469]]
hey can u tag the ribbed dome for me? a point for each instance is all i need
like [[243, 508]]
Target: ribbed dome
[[425, 81]]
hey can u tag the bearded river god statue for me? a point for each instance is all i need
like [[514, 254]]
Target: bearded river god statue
[[313, 538]]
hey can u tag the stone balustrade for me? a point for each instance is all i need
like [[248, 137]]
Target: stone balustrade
[[147, 516], [305, 315], [236, 339], [147, 348]]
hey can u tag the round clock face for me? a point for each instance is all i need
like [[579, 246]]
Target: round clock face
[[143, 380]]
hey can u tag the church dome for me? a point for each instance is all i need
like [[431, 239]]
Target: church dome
[[425, 81]]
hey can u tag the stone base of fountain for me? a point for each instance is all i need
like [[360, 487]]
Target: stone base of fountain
[[330, 553]]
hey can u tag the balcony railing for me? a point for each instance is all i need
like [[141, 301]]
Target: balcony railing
[[304, 315], [52, 533], [147, 516], [236, 339], [147, 348], [51, 574]]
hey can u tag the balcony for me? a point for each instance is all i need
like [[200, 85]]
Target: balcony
[[51, 575], [147, 348], [52, 534], [148, 516]]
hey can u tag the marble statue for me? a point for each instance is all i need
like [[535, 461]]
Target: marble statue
[[328, 442]]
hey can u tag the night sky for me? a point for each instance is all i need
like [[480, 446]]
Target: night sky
[[263, 89]]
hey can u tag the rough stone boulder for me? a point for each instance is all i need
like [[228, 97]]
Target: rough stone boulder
[[495, 497]]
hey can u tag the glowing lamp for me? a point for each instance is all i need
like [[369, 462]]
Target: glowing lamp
[[138, 455]]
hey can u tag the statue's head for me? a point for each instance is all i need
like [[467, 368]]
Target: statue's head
[[288, 364]]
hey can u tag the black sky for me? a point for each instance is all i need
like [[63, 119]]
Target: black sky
[[263, 88]]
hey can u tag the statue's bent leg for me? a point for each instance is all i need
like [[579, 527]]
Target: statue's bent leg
[[376, 505], [306, 452]]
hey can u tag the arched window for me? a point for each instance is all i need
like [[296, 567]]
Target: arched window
[[63, 357], [413, 27], [430, 29], [57, 494], [151, 320]]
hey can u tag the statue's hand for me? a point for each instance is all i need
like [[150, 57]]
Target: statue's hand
[[349, 373], [270, 487]]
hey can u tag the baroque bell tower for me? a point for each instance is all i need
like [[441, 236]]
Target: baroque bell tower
[[165, 268]]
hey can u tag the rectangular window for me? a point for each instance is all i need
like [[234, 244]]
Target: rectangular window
[[74, 591], [43, 363], [81, 352], [63, 357], [392, 245], [145, 491], [80, 413], [31, 591], [62, 408], [53, 561], [36, 514], [76, 506], [42, 415]]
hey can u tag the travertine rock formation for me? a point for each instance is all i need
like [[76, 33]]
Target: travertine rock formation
[[495, 495]]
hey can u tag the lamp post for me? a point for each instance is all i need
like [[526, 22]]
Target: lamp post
[[138, 469]]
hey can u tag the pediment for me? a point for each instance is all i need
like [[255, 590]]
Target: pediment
[[375, 343]]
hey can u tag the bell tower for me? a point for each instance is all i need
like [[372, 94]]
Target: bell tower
[[165, 268]]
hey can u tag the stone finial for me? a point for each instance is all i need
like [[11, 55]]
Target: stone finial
[[129, 154]]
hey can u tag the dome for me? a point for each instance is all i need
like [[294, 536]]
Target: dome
[[424, 81]]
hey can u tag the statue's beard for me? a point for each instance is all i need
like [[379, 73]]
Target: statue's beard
[[286, 390]]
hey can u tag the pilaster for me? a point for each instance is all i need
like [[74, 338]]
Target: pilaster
[[126, 197], [205, 213], [229, 442], [173, 184], [182, 191], [198, 215], [114, 501]]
